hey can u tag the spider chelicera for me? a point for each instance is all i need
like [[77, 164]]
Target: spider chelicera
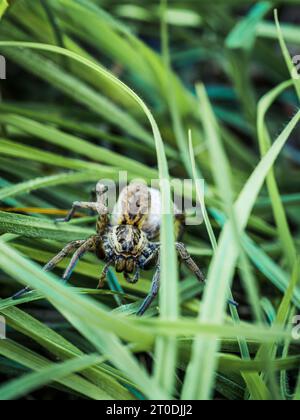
[[124, 240]]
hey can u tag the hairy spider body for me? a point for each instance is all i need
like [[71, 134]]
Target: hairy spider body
[[125, 239]]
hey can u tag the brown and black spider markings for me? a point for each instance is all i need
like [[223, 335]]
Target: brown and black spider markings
[[125, 245]]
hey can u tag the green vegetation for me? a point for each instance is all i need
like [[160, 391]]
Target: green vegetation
[[162, 90]]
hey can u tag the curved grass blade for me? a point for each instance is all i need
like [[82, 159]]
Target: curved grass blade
[[77, 145], [169, 277], [290, 65], [31, 360], [3, 7], [40, 228], [52, 373], [92, 320], [46, 182], [204, 355], [284, 231], [59, 347]]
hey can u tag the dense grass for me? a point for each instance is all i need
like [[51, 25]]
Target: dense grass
[[182, 90]]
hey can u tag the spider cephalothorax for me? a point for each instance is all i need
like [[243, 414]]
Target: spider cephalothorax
[[128, 249], [124, 240]]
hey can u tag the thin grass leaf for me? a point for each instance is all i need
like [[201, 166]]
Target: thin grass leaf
[[31, 360], [165, 355], [204, 352], [235, 315], [46, 182], [54, 372], [290, 65], [41, 228], [59, 347], [75, 144], [284, 231], [84, 309], [17, 150], [243, 34]]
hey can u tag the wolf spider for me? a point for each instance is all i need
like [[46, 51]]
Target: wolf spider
[[125, 245]]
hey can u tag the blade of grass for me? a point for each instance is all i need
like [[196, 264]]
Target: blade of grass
[[292, 69], [204, 350], [267, 352], [243, 34], [14, 149], [188, 328], [165, 355], [235, 315], [75, 144], [177, 122], [3, 7], [169, 276], [52, 373], [59, 347], [46, 182], [31, 360], [76, 89], [284, 232], [223, 179], [81, 311], [40, 228]]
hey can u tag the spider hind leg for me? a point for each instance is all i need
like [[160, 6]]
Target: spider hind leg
[[68, 249]]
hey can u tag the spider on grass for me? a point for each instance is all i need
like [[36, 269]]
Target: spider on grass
[[124, 240]]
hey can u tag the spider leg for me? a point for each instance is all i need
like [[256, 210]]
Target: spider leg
[[78, 205], [104, 274], [188, 261], [193, 267], [21, 293], [71, 247], [68, 249], [153, 293], [83, 249]]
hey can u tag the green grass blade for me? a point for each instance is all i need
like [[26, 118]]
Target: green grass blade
[[284, 231], [169, 276], [3, 7], [204, 351], [165, 356], [75, 144], [78, 308], [54, 372], [243, 34], [17, 150], [290, 65], [41, 228], [46, 182], [59, 347], [34, 361], [235, 315]]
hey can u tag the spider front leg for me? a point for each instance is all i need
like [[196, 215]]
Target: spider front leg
[[68, 249], [98, 206], [104, 274], [153, 293], [189, 262], [76, 206], [88, 245]]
